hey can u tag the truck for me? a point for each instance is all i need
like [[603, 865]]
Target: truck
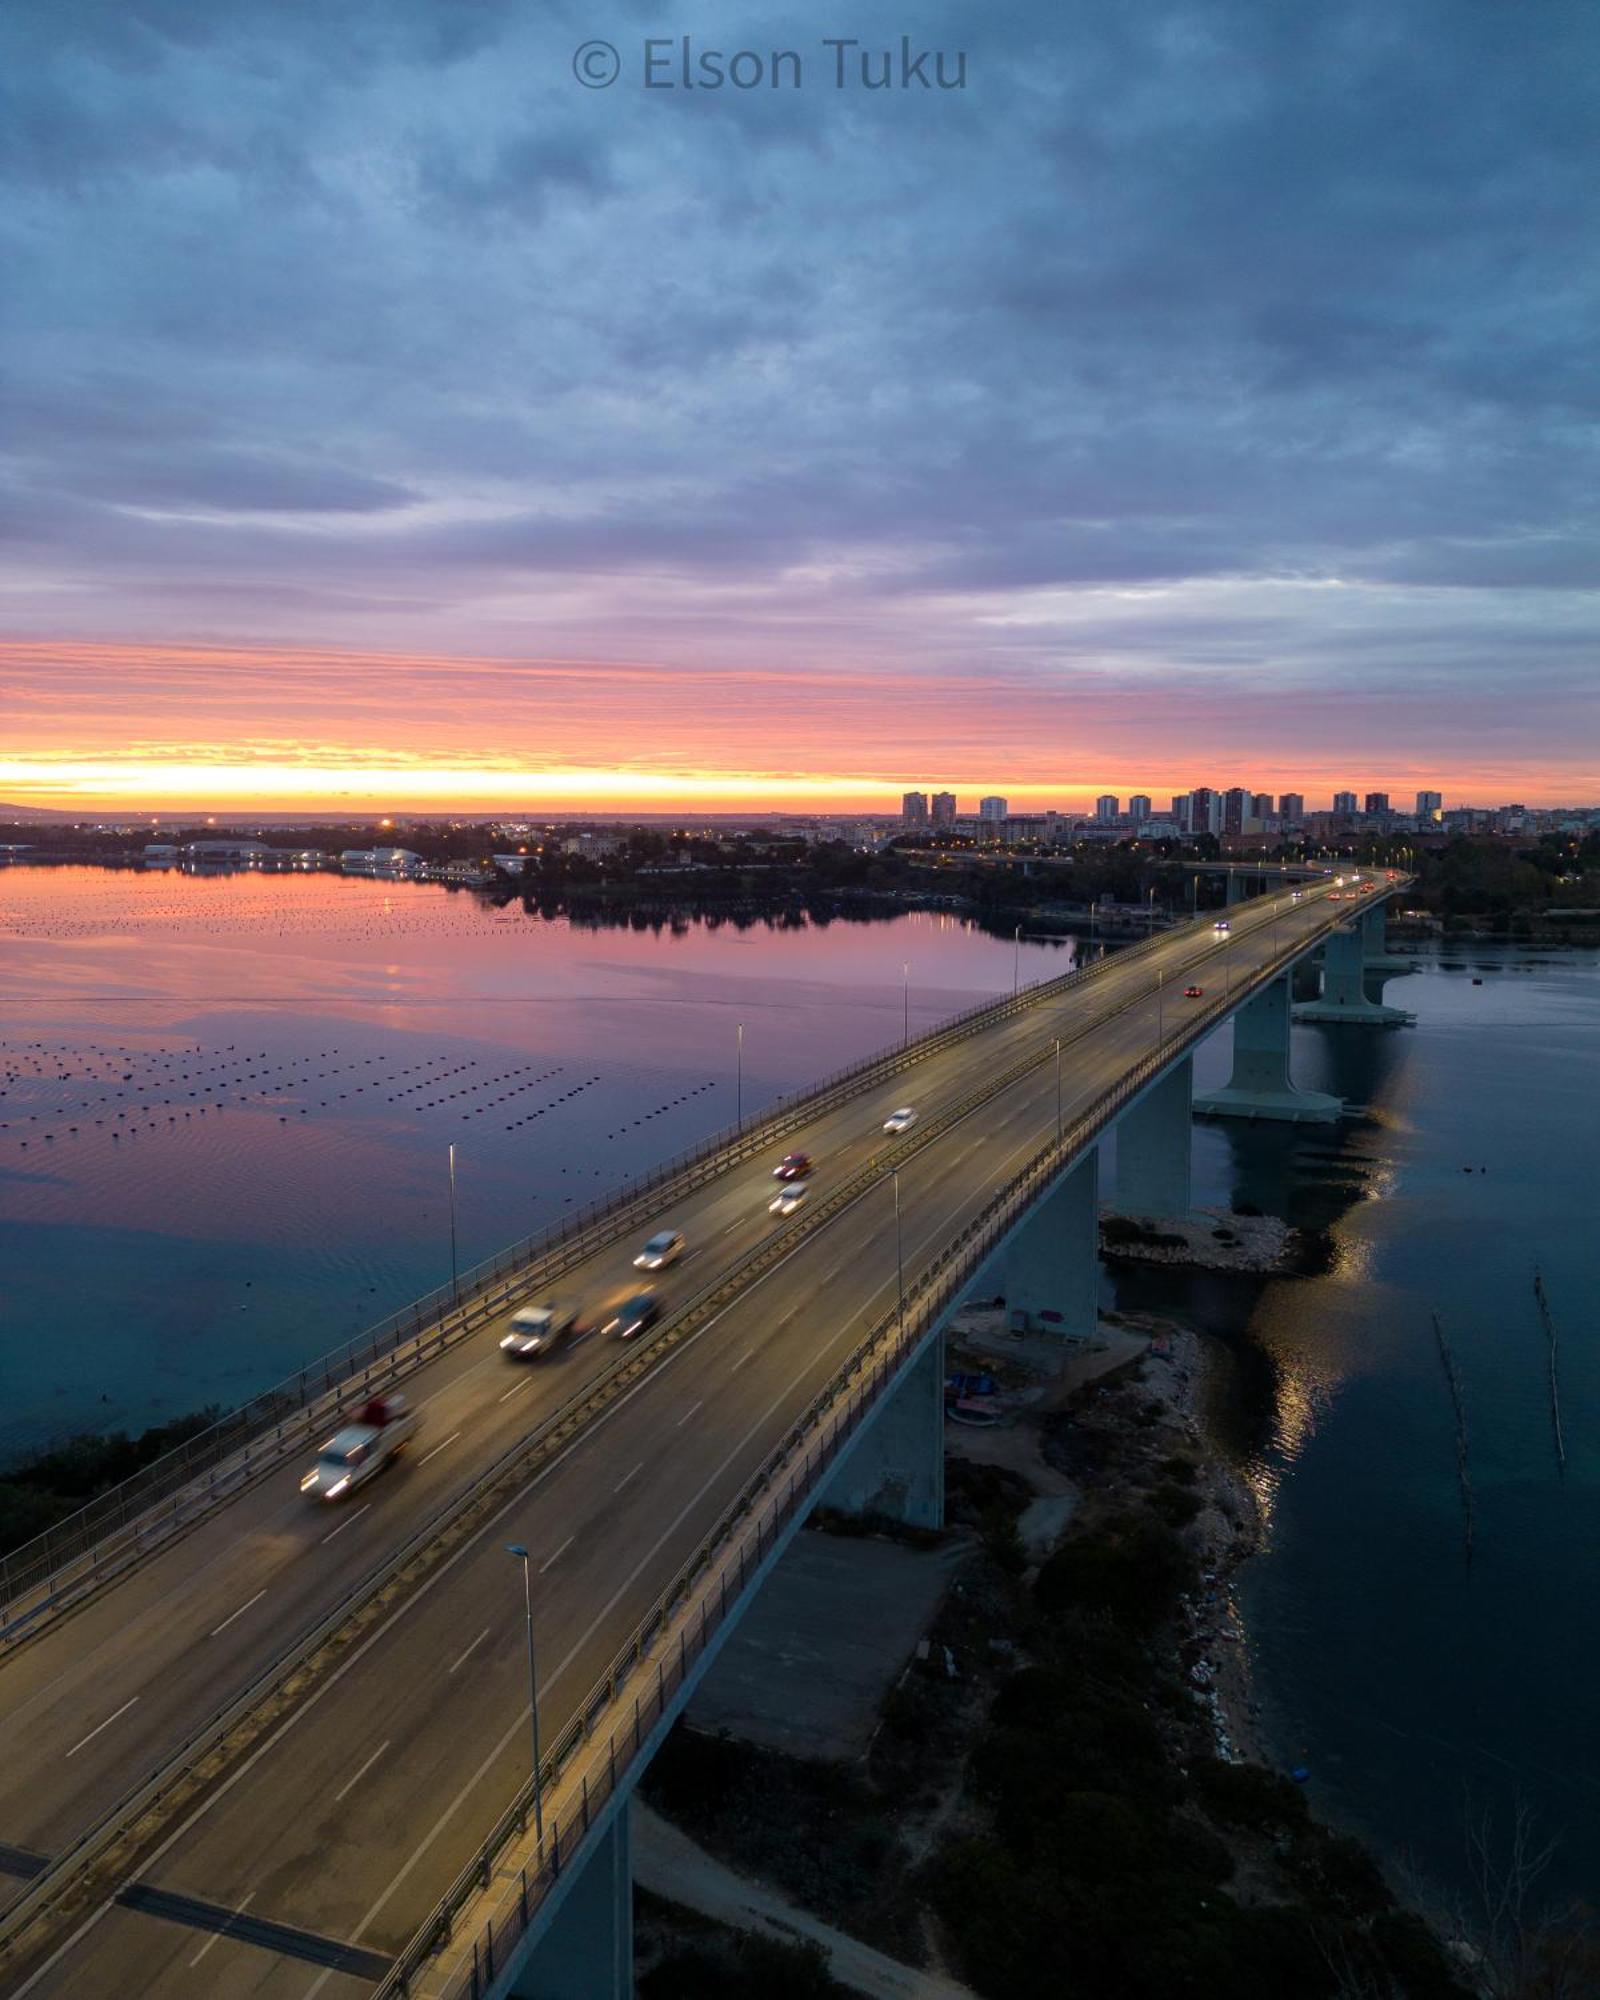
[[381, 1430]]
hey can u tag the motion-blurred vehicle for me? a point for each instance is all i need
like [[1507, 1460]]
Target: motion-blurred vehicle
[[636, 1315], [901, 1120], [1222, 926], [383, 1427], [1193, 992], [792, 1167], [787, 1199], [537, 1331], [664, 1248]]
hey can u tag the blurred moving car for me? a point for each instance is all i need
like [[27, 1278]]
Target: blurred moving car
[[901, 1120], [1222, 925], [792, 1167], [664, 1248], [636, 1315], [537, 1331], [787, 1199], [383, 1427], [1193, 992]]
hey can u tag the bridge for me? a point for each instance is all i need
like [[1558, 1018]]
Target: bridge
[[252, 1746]]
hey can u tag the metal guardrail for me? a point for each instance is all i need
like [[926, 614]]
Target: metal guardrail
[[124, 1526], [739, 1542]]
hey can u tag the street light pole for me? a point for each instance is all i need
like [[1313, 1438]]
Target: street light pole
[[738, 1080], [516, 1549], [1160, 1019], [455, 1279], [899, 1256], [1058, 1090], [1016, 962], [905, 1003]]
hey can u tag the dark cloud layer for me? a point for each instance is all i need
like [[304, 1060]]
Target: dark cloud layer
[[1226, 332]]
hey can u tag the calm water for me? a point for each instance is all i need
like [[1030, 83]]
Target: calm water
[[1416, 1688], [264, 1075], [228, 1101]]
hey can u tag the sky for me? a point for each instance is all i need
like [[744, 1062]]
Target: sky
[[1203, 393]]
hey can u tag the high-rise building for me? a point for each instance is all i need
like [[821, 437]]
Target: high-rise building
[[1344, 802], [1291, 807], [914, 809], [1377, 802], [1205, 810], [1235, 808], [1139, 808], [944, 808], [991, 810], [1429, 806], [1106, 807], [1182, 811], [1261, 806]]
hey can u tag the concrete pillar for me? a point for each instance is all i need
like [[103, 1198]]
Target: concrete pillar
[[894, 1465], [1237, 891], [1052, 1265], [1153, 1147], [1260, 1085], [587, 1953], [1344, 995], [1376, 954]]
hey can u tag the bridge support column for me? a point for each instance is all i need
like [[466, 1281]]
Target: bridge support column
[[587, 1953], [1376, 955], [1237, 890], [1052, 1265], [1343, 996], [1153, 1147], [1260, 1085], [895, 1465]]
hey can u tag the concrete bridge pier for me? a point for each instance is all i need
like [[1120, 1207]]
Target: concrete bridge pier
[[1237, 888], [894, 1465], [1051, 1266], [1260, 1086], [1343, 996], [1375, 943], [587, 1951], [1153, 1137]]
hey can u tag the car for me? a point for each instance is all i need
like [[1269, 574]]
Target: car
[[792, 1167], [1193, 992], [787, 1199], [381, 1431], [636, 1315], [1222, 926], [537, 1332], [1295, 896], [664, 1248], [901, 1120]]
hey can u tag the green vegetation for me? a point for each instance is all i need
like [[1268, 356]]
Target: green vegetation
[[47, 1488]]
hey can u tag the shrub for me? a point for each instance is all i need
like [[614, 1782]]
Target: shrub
[[1176, 1505], [1132, 1567]]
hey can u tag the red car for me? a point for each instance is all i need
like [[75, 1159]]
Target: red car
[[792, 1167], [1193, 992]]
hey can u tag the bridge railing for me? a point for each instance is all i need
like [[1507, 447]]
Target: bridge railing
[[124, 1525], [592, 1756]]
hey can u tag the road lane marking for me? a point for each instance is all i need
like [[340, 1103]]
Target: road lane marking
[[627, 1476], [93, 1733], [243, 1608], [438, 1448], [210, 1941], [350, 1784], [743, 1358], [550, 1561], [348, 1522], [688, 1413], [467, 1655], [516, 1389]]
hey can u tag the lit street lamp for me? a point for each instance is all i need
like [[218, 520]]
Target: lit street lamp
[[516, 1549]]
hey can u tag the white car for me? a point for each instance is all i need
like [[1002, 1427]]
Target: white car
[[787, 1199], [537, 1331], [901, 1120], [664, 1248], [381, 1431]]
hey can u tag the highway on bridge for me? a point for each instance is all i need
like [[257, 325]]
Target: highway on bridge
[[344, 1826]]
